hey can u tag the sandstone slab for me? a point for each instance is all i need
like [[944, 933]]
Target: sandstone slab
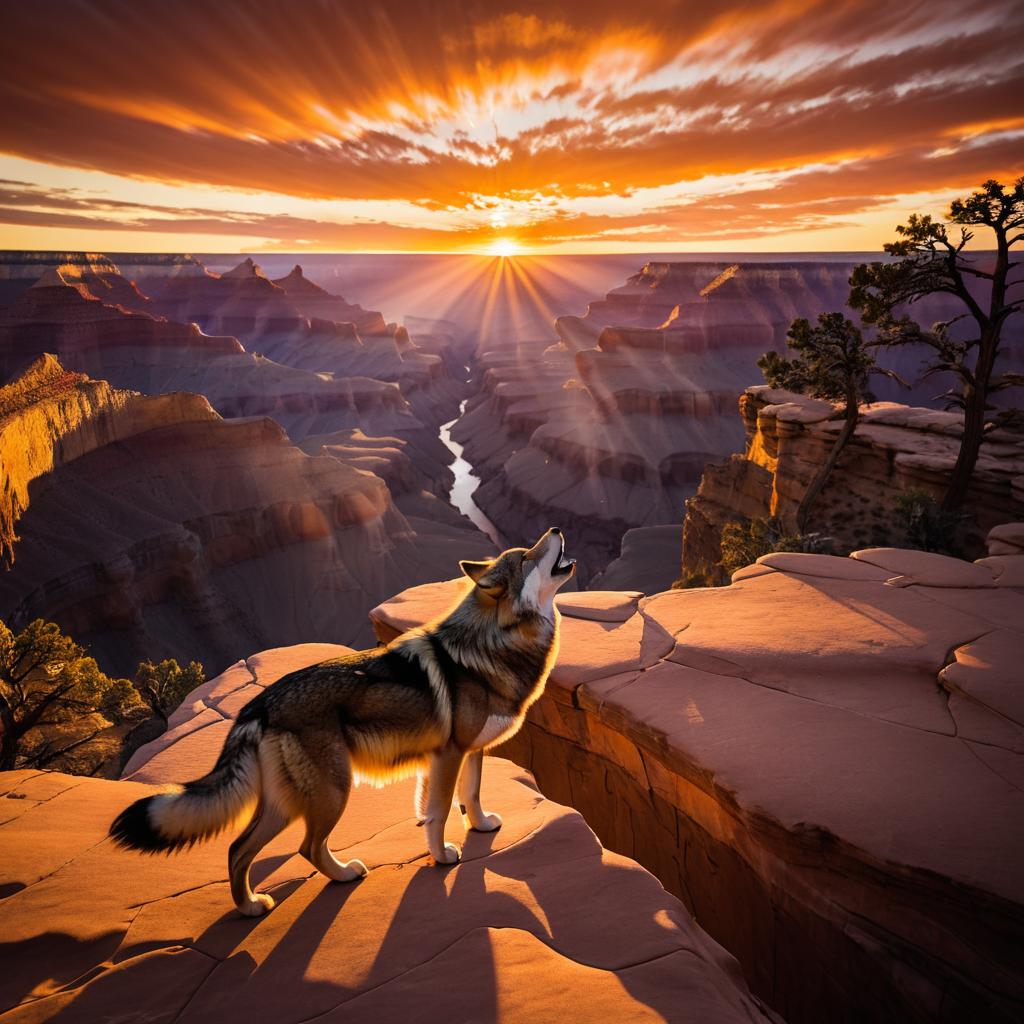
[[535, 923], [828, 769]]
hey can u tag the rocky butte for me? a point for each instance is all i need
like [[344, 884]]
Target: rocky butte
[[896, 449]]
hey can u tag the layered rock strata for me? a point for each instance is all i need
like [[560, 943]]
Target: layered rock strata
[[896, 449], [146, 352], [611, 428], [600, 441], [824, 761], [149, 527]]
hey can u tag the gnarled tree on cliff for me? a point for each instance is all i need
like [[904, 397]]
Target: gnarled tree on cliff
[[831, 361], [930, 260]]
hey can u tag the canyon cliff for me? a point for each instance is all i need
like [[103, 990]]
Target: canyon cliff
[[512, 932], [896, 450], [150, 527], [822, 760], [611, 427]]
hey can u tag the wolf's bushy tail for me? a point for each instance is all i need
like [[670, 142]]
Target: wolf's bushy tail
[[200, 809]]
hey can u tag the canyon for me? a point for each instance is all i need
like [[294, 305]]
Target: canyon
[[165, 487], [612, 424], [609, 427], [151, 527], [819, 761]]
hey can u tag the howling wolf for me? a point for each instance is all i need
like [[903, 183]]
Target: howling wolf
[[429, 703]]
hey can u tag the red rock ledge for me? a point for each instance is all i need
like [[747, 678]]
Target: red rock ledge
[[824, 761], [538, 923]]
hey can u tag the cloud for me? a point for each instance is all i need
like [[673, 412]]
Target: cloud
[[414, 125]]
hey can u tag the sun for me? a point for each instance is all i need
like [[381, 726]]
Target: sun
[[504, 247]]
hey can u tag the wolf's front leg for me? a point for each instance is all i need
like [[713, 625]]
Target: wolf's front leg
[[444, 771], [469, 795]]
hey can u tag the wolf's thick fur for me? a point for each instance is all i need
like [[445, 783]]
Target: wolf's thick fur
[[430, 702]]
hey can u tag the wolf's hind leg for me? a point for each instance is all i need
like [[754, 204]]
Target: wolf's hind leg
[[474, 815], [266, 823], [323, 803], [444, 772], [420, 800]]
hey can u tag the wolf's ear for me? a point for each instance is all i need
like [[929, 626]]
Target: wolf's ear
[[474, 570], [480, 574]]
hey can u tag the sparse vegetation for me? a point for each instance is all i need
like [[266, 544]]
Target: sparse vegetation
[[831, 361], [929, 526], [55, 701], [701, 576], [744, 543], [930, 261]]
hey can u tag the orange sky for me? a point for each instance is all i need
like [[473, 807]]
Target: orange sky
[[197, 126]]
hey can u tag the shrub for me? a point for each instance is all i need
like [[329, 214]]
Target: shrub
[[744, 543], [929, 526]]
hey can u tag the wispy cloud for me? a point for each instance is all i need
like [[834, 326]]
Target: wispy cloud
[[440, 126]]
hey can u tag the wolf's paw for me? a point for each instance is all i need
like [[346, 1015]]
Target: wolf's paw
[[488, 823], [260, 904], [350, 871], [451, 854]]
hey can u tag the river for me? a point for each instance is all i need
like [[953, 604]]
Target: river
[[466, 482]]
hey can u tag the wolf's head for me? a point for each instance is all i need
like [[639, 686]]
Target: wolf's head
[[524, 580]]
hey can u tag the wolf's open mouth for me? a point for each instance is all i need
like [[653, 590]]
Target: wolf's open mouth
[[562, 564]]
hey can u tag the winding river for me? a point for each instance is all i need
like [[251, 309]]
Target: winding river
[[466, 482]]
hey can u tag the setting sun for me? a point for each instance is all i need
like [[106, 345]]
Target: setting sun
[[505, 247]]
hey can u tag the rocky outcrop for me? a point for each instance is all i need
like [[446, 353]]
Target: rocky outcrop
[[50, 417], [896, 449], [534, 923], [824, 761], [20, 270], [149, 527]]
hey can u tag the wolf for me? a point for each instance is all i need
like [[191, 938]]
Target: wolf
[[429, 703]]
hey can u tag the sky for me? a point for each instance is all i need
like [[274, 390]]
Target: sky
[[143, 125]]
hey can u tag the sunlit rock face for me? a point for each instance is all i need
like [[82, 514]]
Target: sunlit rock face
[[822, 760], [896, 448], [150, 527], [535, 922]]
